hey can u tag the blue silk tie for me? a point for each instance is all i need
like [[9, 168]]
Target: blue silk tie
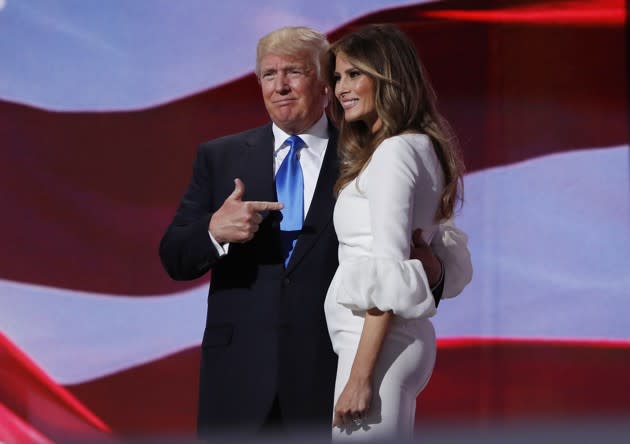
[[290, 190]]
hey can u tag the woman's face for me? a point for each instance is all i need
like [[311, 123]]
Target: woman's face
[[355, 91]]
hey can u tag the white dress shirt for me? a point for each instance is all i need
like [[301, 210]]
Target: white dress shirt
[[311, 155], [311, 158]]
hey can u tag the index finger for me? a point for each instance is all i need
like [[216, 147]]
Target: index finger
[[337, 420], [265, 206]]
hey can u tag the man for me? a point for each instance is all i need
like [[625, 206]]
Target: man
[[266, 354]]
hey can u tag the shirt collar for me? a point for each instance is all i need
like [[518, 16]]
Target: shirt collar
[[312, 137]]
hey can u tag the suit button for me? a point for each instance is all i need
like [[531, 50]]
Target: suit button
[[286, 282]]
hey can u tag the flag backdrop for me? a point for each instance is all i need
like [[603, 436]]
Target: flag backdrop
[[102, 106]]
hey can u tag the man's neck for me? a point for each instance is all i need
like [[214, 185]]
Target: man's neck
[[303, 129]]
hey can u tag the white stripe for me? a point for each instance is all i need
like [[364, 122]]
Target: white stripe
[[550, 244], [124, 55], [76, 336]]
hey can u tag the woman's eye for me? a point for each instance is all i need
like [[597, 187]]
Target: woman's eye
[[336, 78], [355, 74]]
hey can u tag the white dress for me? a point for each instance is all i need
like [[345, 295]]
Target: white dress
[[374, 216]]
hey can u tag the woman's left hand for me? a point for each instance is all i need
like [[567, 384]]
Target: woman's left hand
[[353, 403]]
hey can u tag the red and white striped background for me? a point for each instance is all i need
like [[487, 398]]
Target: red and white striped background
[[98, 128]]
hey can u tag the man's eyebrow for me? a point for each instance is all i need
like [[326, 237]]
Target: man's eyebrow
[[286, 68]]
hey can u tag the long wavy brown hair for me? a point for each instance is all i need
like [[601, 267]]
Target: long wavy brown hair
[[405, 103]]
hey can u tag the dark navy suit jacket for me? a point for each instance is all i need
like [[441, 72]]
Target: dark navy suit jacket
[[265, 334]]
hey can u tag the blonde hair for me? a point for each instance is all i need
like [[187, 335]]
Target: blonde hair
[[293, 41], [404, 102]]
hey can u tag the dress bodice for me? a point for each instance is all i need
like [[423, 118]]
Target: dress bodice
[[375, 214]]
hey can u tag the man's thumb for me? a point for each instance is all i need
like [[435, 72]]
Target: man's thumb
[[239, 190]]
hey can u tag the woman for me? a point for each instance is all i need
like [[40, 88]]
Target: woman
[[399, 169]]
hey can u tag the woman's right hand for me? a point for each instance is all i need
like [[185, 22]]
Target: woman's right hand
[[353, 403]]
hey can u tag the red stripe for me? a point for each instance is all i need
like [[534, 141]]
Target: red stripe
[[160, 398], [495, 379], [15, 430], [474, 380], [34, 397], [603, 343], [581, 12]]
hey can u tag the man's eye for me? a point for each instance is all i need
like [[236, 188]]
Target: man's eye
[[296, 72], [268, 75]]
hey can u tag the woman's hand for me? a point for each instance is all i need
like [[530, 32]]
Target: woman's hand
[[353, 403]]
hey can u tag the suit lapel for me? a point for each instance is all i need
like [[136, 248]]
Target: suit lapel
[[321, 210], [257, 166]]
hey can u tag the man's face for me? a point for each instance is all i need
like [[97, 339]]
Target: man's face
[[294, 97]]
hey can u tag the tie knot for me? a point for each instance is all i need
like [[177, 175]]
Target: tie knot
[[294, 142]]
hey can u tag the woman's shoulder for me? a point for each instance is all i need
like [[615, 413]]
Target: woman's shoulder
[[405, 155], [403, 146], [412, 140]]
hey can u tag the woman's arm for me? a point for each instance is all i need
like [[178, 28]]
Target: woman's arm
[[355, 399]]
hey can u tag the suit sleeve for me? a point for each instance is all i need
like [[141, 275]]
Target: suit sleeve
[[450, 244], [186, 250], [388, 279]]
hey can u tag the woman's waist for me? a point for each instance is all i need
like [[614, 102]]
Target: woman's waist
[[349, 251], [343, 321]]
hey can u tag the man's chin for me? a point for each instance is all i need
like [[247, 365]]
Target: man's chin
[[285, 115], [288, 122]]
